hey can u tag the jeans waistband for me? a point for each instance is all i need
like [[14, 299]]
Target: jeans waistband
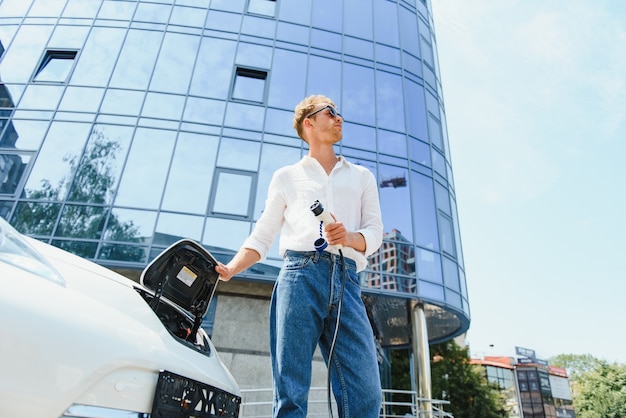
[[334, 258]]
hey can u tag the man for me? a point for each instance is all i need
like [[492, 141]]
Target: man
[[305, 308]]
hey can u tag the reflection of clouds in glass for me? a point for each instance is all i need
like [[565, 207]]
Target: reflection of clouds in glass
[[29, 133], [191, 174], [287, 79], [389, 101], [25, 53], [241, 115], [235, 153], [182, 226], [213, 71], [163, 106], [64, 139], [136, 60], [145, 173], [81, 8], [225, 233], [173, 68], [188, 16], [232, 194], [98, 57], [359, 95], [204, 111], [117, 10], [41, 97], [81, 99], [122, 102]]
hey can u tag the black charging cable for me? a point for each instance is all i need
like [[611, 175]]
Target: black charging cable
[[336, 333]]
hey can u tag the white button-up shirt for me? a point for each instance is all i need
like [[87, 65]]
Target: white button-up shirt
[[350, 193]]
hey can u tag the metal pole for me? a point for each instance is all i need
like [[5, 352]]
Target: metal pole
[[421, 360]]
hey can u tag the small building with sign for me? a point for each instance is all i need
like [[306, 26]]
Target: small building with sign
[[530, 386]]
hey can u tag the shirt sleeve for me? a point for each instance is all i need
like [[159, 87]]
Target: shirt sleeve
[[270, 222], [371, 218]]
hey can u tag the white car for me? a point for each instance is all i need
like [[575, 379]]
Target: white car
[[78, 340]]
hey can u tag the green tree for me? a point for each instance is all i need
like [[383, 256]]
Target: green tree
[[456, 380], [90, 184], [598, 387]]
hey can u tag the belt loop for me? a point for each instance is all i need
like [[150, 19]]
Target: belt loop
[[316, 256]]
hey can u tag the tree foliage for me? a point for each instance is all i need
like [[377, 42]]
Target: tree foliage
[[598, 387], [456, 380], [90, 184]]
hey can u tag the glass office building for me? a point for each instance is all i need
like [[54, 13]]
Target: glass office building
[[128, 124]]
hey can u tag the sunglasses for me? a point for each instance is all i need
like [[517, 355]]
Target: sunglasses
[[333, 112]]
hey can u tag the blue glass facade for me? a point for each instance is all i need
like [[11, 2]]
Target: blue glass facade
[[126, 125]]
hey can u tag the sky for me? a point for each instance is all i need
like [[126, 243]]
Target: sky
[[535, 99]]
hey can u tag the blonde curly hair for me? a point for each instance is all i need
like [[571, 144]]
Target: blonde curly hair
[[304, 108]]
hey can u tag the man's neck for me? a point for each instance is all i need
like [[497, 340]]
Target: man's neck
[[325, 156]]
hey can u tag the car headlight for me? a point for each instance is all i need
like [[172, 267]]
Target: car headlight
[[15, 250]]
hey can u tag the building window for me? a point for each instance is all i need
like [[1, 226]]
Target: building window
[[249, 85], [262, 7], [233, 193], [55, 66]]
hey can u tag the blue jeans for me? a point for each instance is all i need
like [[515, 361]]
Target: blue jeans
[[303, 314]]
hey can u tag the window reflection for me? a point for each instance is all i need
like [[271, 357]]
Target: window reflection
[[81, 8], [273, 157], [83, 249], [188, 16], [361, 19], [115, 9], [395, 258], [54, 165], [24, 134], [359, 136], [96, 176], [225, 233], [36, 218], [415, 109], [326, 15], [65, 37], [24, 55], [81, 99], [55, 66], [408, 31], [389, 101], [50, 8], [173, 227], [395, 200], [233, 192], [446, 235], [204, 111], [288, 80], [262, 7], [240, 115], [424, 215], [80, 221], [249, 85], [359, 96], [152, 13], [428, 265], [386, 23], [191, 174], [174, 66], [12, 167], [163, 106], [98, 56], [136, 60], [122, 102], [254, 55], [324, 77], [144, 175], [127, 225], [239, 154], [442, 197], [41, 97], [213, 71]]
